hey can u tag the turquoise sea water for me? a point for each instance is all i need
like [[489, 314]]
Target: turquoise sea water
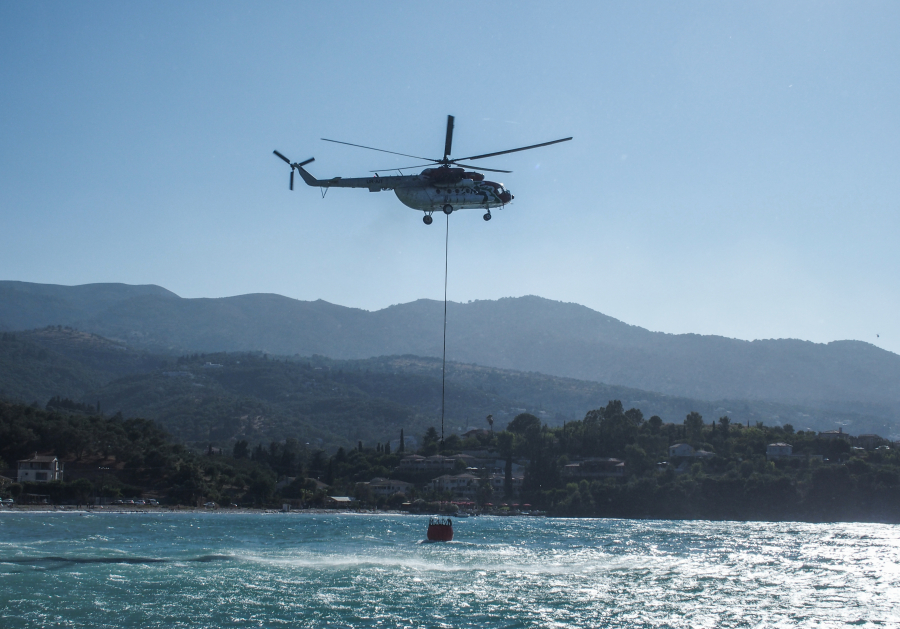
[[334, 570]]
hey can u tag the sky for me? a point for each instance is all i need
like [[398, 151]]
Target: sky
[[735, 168]]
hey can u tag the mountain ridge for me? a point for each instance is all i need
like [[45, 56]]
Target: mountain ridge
[[522, 333], [228, 396]]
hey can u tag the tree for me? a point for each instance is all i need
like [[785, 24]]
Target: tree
[[82, 489], [485, 492], [524, 423], [693, 426], [506, 442], [655, 424], [617, 430], [402, 447], [241, 450], [261, 488], [430, 441], [636, 460], [725, 422], [635, 415]]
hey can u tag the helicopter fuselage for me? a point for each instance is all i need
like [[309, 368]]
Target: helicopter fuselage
[[462, 195], [435, 189]]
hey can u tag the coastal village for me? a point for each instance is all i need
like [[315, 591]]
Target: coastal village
[[487, 472]]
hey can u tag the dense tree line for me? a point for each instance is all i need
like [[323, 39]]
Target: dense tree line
[[836, 482], [117, 457], [829, 479]]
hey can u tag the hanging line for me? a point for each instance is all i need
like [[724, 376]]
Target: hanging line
[[444, 360]]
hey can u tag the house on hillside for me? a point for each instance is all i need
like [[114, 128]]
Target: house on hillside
[[41, 469], [869, 442], [435, 463], [498, 483], [499, 465], [687, 450], [594, 468], [337, 502], [412, 463], [681, 449], [388, 487], [834, 434], [779, 451], [464, 485]]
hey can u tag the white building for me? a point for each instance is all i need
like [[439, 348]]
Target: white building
[[686, 450], [435, 463], [388, 487], [779, 450], [681, 449], [498, 483], [464, 485], [834, 434], [41, 469], [594, 468]]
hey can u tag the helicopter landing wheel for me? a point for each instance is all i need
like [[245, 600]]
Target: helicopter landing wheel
[[448, 209], [427, 219], [487, 216]]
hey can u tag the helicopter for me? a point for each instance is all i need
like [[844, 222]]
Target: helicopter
[[445, 185]]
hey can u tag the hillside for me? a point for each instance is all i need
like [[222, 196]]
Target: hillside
[[220, 398], [524, 334]]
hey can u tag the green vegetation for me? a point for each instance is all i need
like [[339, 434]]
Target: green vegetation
[[115, 457], [255, 429], [330, 403], [735, 482], [826, 479]]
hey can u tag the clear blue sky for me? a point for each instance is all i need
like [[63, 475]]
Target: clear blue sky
[[735, 168]]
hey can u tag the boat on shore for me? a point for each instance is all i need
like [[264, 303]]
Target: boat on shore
[[440, 530]]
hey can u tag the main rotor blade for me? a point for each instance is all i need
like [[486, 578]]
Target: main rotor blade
[[436, 161], [524, 148], [493, 170], [282, 157], [448, 142], [400, 168]]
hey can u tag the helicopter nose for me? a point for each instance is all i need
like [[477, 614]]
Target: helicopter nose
[[506, 197]]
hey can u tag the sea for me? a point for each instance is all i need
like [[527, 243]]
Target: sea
[[374, 570]]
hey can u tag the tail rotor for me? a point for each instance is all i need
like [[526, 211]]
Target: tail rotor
[[293, 165]]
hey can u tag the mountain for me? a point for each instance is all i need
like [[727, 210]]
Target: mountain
[[36, 365], [220, 398], [524, 334]]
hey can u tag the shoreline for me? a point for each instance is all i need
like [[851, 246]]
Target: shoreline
[[118, 510]]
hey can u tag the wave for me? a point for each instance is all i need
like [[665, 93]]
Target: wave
[[50, 559]]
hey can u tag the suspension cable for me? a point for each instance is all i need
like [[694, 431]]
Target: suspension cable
[[444, 360]]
